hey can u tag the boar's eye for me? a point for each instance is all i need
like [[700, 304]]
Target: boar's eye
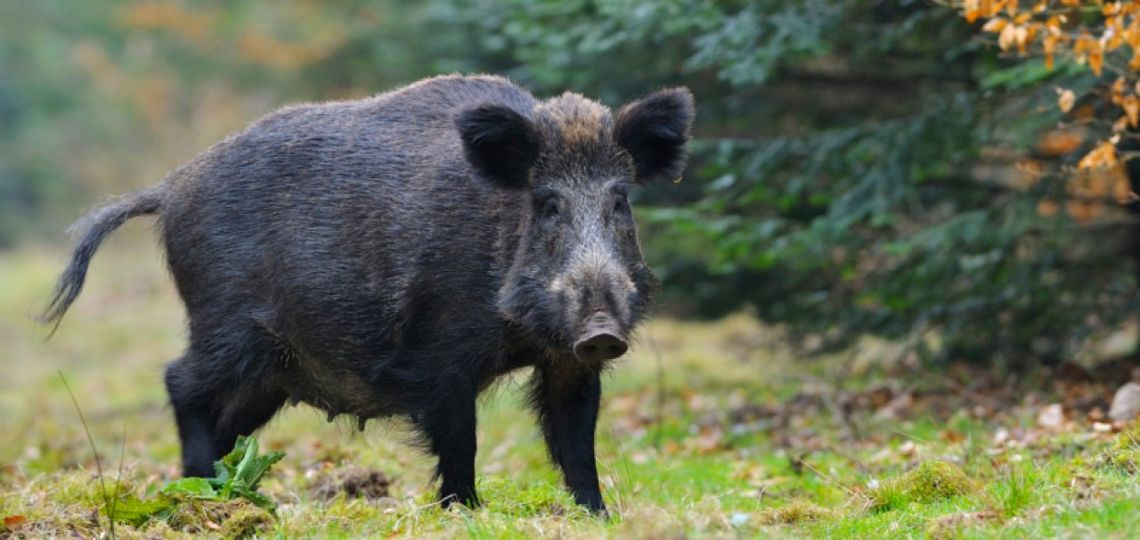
[[550, 208], [546, 204], [621, 206]]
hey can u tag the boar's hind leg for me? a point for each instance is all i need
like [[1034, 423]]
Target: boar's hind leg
[[213, 404], [567, 406], [448, 426]]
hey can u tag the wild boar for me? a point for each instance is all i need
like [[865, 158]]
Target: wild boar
[[395, 255]]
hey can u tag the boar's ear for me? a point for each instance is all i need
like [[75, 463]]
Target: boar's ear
[[655, 131], [500, 143]]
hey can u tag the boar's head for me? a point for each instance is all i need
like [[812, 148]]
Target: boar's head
[[577, 282]]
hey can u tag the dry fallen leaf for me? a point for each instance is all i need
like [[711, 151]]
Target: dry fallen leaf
[[1001, 437], [1051, 417], [952, 436]]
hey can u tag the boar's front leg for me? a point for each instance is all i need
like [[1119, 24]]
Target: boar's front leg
[[448, 423], [567, 405]]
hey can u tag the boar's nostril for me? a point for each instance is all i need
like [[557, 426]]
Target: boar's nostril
[[600, 346]]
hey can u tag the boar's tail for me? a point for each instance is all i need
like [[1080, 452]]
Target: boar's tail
[[91, 230]]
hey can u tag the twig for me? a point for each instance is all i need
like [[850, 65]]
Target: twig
[[826, 477], [98, 463], [416, 510], [910, 436], [970, 393]]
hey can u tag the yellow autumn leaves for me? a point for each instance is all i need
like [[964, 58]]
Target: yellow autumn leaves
[[1103, 35], [1069, 26], [1086, 30], [1056, 24]]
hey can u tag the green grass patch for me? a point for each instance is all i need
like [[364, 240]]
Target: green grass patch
[[739, 441]]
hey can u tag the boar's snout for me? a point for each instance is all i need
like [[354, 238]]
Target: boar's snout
[[601, 340], [599, 347]]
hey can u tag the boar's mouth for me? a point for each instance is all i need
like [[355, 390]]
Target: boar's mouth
[[601, 339]]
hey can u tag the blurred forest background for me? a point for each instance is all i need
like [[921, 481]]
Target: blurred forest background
[[931, 199], [860, 167]]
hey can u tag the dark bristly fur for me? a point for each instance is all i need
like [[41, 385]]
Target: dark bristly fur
[[91, 231], [397, 254]]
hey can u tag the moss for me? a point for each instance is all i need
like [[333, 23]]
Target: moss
[[1129, 439], [154, 529], [63, 524], [195, 516], [1125, 459], [247, 521], [930, 481], [1124, 453], [531, 499], [796, 511], [80, 487]]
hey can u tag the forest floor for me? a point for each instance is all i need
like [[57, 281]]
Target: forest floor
[[713, 429]]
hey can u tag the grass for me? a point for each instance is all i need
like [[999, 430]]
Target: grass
[[740, 441]]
